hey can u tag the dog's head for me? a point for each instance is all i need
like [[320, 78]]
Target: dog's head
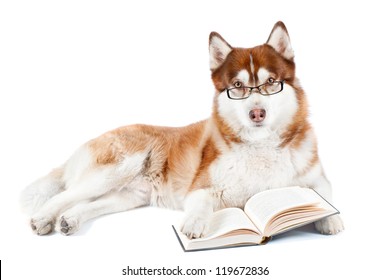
[[256, 89]]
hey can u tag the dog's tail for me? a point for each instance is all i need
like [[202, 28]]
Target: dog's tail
[[36, 194]]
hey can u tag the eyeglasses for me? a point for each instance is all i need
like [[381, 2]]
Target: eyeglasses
[[269, 88]]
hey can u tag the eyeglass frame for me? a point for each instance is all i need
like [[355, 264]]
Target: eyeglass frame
[[258, 89]]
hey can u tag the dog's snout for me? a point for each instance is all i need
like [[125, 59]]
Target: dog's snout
[[257, 115]]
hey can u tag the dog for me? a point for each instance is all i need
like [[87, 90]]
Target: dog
[[258, 137]]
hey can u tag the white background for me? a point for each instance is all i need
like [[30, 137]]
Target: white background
[[71, 70]]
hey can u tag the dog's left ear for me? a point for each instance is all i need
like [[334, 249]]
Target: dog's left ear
[[280, 41], [219, 50]]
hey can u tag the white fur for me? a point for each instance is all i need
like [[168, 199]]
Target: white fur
[[163, 196], [248, 169], [40, 191], [263, 75], [252, 67], [302, 154], [71, 220], [76, 165], [281, 108], [243, 76], [198, 208]]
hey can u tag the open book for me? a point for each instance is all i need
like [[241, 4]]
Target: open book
[[266, 214]]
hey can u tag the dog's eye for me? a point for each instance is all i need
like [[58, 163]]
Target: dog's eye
[[270, 80], [237, 84]]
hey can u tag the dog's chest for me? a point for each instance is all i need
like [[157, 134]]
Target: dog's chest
[[245, 170]]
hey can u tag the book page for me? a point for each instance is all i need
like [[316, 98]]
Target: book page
[[227, 226], [289, 222], [227, 220], [262, 207]]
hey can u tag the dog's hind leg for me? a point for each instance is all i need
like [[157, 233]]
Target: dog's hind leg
[[72, 219], [91, 184]]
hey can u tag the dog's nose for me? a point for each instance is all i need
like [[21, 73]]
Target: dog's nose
[[257, 115]]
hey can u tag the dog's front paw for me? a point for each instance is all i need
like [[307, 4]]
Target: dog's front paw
[[330, 225], [195, 226]]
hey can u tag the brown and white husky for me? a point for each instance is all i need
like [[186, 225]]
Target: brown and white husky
[[258, 137]]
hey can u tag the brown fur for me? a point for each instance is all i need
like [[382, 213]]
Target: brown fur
[[176, 153]]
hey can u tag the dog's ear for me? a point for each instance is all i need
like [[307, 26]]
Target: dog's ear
[[219, 50], [280, 41]]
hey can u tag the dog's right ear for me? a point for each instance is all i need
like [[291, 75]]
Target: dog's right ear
[[280, 41], [219, 50]]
